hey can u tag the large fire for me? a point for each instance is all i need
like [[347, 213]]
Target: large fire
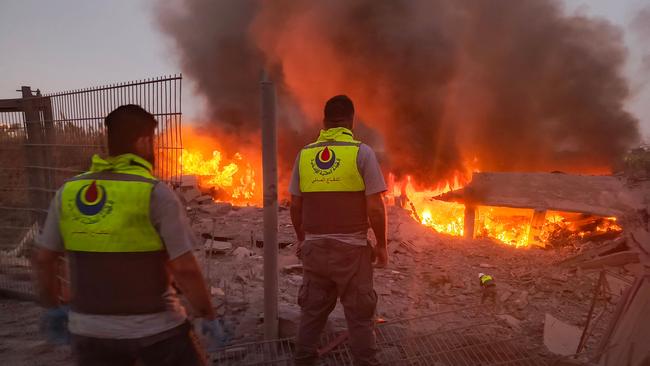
[[510, 226], [231, 177], [228, 177]]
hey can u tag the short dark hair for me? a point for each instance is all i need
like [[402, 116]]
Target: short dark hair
[[125, 125], [339, 110]]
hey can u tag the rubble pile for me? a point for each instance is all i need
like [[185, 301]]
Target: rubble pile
[[428, 273]]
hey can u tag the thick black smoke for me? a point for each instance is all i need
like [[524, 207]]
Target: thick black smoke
[[449, 86]]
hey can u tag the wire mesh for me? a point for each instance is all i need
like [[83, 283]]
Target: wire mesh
[[468, 336], [45, 139]]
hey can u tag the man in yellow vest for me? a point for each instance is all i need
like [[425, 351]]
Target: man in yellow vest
[[488, 288], [336, 195], [125, 235]]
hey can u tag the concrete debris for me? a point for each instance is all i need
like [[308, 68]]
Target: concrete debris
[[289, 319], [191, 194], [428, 272], [217, 247], [522, 300], [242, 253], [203, 199], [189, 181], [511, 321], [216, 291], [292, 269], [559, 337]]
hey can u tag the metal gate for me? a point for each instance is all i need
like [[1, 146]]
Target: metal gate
[[45, 139]]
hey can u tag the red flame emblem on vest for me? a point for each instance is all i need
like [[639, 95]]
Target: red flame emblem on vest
[[325, 158]]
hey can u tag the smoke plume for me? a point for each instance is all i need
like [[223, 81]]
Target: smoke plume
[[448, 86]]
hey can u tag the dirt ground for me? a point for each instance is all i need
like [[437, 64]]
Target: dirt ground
[[428, 273], [20, 341]]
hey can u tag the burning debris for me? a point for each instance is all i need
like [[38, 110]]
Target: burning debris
[[224, 178]]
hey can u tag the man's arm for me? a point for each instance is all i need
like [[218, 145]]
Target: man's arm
[[46, 256], [169, 218], [296, 216], [189, 278], [377, 216], [45, 263], [375, 187]]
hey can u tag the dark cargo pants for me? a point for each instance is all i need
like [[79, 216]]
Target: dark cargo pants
[[333, 270]]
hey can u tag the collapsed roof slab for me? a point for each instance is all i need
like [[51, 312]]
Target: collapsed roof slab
[[596, 195]]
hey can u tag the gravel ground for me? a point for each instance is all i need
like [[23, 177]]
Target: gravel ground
[[21, 343]]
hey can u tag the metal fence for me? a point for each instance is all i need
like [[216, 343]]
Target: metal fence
[[45, 139], [461, 337]]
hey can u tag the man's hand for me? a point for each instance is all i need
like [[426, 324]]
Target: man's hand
[[381, 257], [377, 215], [215, 331], [54, 324], [188, 277]]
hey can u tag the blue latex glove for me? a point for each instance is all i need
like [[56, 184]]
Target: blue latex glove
[[215, 332], [54, 324]]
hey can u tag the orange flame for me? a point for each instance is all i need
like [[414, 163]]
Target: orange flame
[[510, 226], [230, 177]]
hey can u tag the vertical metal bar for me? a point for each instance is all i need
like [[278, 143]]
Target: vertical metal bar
[[33, 156], [583, 337], [270, 177]]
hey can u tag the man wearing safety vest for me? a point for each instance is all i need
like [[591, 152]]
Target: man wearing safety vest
[[336, 195], [126, 236], [488, 287]]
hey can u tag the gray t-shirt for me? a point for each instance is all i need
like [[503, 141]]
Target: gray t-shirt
[[168, 217], [372, 178]]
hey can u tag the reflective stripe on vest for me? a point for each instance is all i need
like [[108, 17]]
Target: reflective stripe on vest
[[332, 187]]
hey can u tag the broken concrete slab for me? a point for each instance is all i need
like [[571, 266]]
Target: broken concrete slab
[[616, 259], [191, 194], [598, 195], [217, 291], [203, 199], [217, 247], [215, 208], [188, 181], [511, 321], [289, 319], [559, 337], [242, 253], [292, 269]]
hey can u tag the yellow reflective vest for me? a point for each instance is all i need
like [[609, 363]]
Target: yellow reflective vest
[[331, 184], [117, 259]]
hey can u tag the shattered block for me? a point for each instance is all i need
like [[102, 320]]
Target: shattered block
[[217, 247], [215, 208], [191, 194], [206, 198], [559, 337], [188, 181], [241, 253]]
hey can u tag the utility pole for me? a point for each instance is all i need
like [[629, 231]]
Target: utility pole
[[270, 176]]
